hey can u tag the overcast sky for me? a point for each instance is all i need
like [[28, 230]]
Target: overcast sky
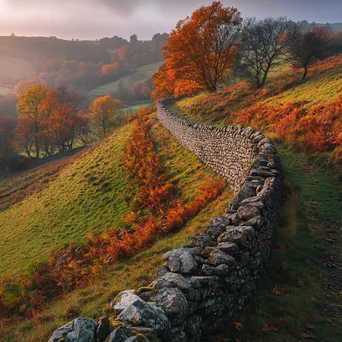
[[91, 19]]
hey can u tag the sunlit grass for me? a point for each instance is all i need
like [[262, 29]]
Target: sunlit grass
[[189, 174], [88, 196]]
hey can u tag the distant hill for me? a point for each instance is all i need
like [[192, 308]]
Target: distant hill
[[81, 66], [331, 27], [337, 27]]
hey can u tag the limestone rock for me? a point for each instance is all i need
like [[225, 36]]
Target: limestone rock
[[177, 280], [173, 302], [218, 257], [79, 330], [180, 260], [247, 212], [123, 300], [240, 235], [142, 313]]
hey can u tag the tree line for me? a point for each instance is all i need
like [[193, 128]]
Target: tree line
[[54, 121], [214, 46]]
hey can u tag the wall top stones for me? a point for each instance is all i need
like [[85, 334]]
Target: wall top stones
[[203, 286]]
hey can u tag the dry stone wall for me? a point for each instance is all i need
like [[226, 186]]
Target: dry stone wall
[[203, 285]]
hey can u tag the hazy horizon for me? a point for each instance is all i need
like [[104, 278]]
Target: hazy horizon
[[94, 19]]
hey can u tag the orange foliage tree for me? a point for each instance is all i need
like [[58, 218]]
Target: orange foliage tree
[[200, 51], [104, 112], [49, 120], [31, 107]]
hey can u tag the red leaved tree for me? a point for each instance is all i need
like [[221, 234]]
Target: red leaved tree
[[200, 51]]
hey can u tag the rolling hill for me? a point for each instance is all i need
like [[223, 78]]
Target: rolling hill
[[142, 74], [89, 196]]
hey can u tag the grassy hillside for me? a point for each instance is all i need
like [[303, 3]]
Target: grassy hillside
[[87, 196], [142, 73], [14, 189], [284, 86], [299, 298], [90, 195], [183, 168], [128, 274]]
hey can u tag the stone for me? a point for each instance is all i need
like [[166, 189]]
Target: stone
[[120, 334], [79, 330], [218, 257], [264, 141], [177, 280], [173, 302], [142, 313], [103, 329], [247, 212], [123, 300], [255, 222], [239, 235], [228, 247]]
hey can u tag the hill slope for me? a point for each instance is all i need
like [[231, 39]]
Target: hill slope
[[142, 74], [89, 196], [300, 297]]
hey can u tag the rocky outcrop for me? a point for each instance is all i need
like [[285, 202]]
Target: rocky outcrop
[[204, 285]]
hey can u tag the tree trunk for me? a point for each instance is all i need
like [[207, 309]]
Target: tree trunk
[[265, 76], [305, 73]]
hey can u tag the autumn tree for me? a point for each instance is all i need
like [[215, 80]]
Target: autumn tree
[[264, 44], [104, 112], [66, 121], [32, 109], [200, 50], [307, 47]]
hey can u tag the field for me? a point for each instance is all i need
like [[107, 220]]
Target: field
[[137, 107], [141, 74], [14, 189], [90, 195], [183, 168], [87, 196]]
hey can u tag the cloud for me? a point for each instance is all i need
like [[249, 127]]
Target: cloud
[[97, 18]]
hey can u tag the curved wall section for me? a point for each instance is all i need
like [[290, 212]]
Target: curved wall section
[[203, 286]]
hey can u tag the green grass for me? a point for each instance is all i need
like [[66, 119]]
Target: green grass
[[137, 106], [88, 196], [307, 256], [142, 74], [189, 174], [307, 248], [92, 300], [322, 85]]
